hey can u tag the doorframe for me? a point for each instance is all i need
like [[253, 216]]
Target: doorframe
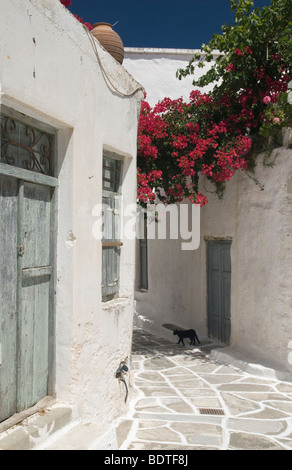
[[22, 174]]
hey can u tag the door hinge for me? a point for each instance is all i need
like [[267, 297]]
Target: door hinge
[[20, 250]]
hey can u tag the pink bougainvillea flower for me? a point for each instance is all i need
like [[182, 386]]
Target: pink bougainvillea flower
[[276, 120], [66, 3], [267, 99]]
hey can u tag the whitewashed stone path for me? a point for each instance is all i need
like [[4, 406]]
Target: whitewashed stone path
[[182, 400]]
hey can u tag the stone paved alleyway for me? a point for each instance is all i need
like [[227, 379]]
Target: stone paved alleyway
[[183, 400]]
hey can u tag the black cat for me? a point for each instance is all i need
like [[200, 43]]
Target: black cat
[[186, 334]]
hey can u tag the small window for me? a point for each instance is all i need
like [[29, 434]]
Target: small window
[[111, 241], [111, 175]]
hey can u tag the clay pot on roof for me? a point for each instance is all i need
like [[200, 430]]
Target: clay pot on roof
[[109, 39]]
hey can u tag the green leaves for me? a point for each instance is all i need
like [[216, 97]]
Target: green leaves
[[259, 29]]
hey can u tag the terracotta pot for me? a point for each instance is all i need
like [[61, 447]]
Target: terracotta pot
[[109, 39]]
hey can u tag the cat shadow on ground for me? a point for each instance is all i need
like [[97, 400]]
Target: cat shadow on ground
[[145, 343]]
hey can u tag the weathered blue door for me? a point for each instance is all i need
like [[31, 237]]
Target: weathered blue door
[[219, 289], [25, 291], [26, 264], [34, 280]]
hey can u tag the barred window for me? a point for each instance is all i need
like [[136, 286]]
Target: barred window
[[111, 241], [24, 145]]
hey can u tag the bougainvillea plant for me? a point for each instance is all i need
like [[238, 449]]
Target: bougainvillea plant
[[216, 133], [179, 141]]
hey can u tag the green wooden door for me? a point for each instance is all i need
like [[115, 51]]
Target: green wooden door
[[25, 293], [219, 289], [34, 276]]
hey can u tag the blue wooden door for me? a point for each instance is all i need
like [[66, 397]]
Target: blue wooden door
[[25, 293], [219, 289], [34, 282], [27, 186]]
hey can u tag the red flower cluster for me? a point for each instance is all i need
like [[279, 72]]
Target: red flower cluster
[[175, 146], [145, 193], [88, 25]]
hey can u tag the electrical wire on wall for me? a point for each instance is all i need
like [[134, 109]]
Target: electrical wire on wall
[[93, 43]]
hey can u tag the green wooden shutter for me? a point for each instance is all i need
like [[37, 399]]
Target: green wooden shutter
[[111, 246], [111, 243]]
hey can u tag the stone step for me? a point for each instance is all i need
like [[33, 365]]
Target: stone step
[[36, 429], [83, 436]]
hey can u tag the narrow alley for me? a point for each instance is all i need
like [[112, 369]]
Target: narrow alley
[[182, 400]]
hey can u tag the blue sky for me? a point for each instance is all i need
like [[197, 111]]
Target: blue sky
[[180, 24]]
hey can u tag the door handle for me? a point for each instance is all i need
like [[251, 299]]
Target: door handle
[[20, 250]]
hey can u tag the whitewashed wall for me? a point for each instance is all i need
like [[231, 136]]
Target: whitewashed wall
[[259, 224], [49, 70], [156, 70]]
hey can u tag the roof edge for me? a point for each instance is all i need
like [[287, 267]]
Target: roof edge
[[159, 50], [163, 51]]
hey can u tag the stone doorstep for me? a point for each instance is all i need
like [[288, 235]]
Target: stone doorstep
[[54, 429], [35, 429], [84, 436]]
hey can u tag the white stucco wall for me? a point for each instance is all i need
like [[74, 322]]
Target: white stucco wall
[[259, 222], [156, 70], [49, 70], [259, 225]]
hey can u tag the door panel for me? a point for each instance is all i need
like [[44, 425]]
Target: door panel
[[8, 297], [34, 293], [218, 289], [34, 345], [25, 293], [35, 226]]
